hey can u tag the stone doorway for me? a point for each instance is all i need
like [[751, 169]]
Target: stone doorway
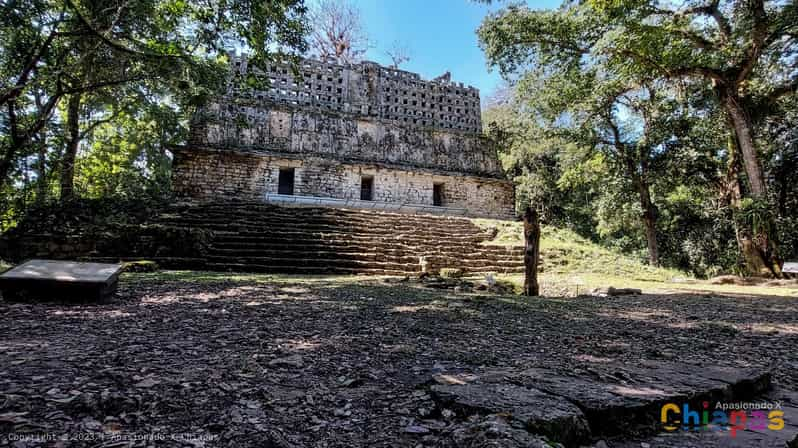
[[285, 181], [367, 188], [437, 195]]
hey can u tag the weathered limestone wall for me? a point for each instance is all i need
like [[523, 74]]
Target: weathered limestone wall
[[368, 90], [357, 113], [344, 138], [215, 175]]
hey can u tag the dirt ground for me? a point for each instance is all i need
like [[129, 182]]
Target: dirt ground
[[310, 362]]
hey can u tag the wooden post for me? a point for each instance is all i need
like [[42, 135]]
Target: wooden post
[[531, 252]]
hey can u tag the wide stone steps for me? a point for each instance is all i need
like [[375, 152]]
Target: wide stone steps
[[314, 262], [247, 212], [366, 253], [233, 241], [331, 269], [354, 218], [327, 270], [315, 240], [388, 247], [260, 209], [299, 235], [325, 228], [358, 262]]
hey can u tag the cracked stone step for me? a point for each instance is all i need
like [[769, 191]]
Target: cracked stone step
[[745, 438], [636, 397], [494, 431], [614, 400], [539, 412]]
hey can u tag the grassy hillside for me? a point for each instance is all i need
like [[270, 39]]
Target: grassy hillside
[[564, 253], [573, 265]]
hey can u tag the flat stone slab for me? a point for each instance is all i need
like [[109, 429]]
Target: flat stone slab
[[60, 280], [537, 411], [746, 437], [494, 431], [632, 396], [618, 400]]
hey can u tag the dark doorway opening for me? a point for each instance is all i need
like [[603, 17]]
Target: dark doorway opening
[[366, 188], [437, 195], [285, 182]]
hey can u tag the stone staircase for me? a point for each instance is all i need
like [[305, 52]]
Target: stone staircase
[[257, 237]]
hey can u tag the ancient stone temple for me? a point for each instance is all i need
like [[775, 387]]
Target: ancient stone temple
[[362, 136]]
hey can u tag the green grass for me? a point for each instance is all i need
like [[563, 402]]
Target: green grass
[[573, 264], [565, 253]]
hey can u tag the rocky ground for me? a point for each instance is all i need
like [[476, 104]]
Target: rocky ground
[[332, 363]]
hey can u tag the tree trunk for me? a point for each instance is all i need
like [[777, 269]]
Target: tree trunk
[[649, 222], [7, 160], [71, 151], [756, 261], [41, 164], [743, 129], [41, 170], [649, 216], [783, 178], [757, 247], [531, 252]]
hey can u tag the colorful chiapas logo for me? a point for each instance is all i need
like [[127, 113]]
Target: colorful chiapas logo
[[730, 417]]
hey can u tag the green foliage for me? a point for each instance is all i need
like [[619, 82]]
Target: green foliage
[[696, 235], [128, 157], [136, 70], [450, 273], [566, 253], [140, 266], [630, 89], [755, 215]]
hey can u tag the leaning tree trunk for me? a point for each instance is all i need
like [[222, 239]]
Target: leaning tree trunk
[[71, 151], [758, 246], [649, 216], [649, 222], [754, 255], [8, 153], [743, 130], [531, 252], [41, 170]]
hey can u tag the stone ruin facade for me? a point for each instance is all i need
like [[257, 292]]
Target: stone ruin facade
[[359, 135]]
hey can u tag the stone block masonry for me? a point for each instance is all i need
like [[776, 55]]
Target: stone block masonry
[[336, 124], [222, 175]]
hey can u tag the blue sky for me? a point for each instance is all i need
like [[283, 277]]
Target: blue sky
[[440, 34]]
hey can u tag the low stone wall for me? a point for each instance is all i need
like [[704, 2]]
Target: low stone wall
[[112, 242], [213, 175]]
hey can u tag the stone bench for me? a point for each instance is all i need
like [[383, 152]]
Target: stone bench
[[51, 280]]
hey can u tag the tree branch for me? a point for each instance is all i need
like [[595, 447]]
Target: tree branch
[[119, 46], [759, 35], [783, 90], [22, 80]]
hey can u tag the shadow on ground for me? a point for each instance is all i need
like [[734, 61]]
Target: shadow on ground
[[333, 362]]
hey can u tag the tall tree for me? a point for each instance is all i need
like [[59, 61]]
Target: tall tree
[[67, 49], [337, 32], [728, 45], [398, 54]]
